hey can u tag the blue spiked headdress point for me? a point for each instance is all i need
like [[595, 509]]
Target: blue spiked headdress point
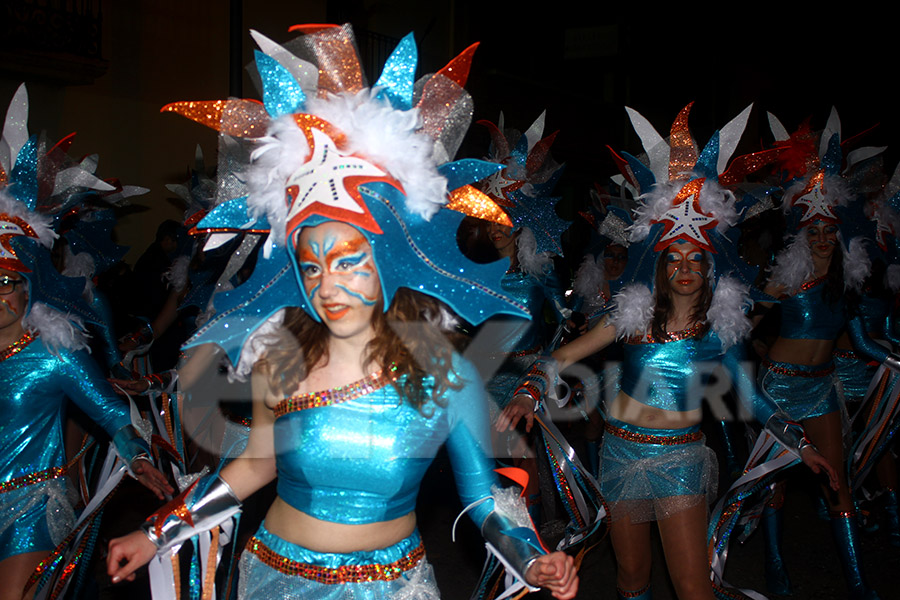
[[325, 147]]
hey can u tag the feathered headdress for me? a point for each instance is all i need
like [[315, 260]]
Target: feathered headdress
[[325, 147], [523, 189], [816, 189], [42, 190], [683, 195]]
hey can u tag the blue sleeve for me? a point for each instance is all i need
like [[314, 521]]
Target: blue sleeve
[[890, 330], [469, 442], [553, 291], [83, 383], [751, 396], [862, 342]]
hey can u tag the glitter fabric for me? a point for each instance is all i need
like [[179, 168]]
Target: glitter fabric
[[446, 110], [343, 393], [398, 77], [683, 153], [801, 391], [808, 315], [474, 203], [31, 443], [272, 567], [362, 460], [648, 474], [243, 118], [338, 60], [16, 346]]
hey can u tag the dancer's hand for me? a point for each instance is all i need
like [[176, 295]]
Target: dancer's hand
[[151, 478], [137, 387], [127, 554], [520, 406], [556, 572], [817, 463]]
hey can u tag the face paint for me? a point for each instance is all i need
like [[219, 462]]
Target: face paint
[[822, 239], [339, 275], [684, 268]]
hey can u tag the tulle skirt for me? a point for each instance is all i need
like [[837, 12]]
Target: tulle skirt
[[35, 517], [274, 568], [650, 474]]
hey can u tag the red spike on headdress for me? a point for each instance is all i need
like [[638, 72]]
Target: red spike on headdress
[[457, 69], [498, 140], [683, 154], [742, 166], [308, 28], [239, 118], [64, 144], [539, 153], [623, 166]]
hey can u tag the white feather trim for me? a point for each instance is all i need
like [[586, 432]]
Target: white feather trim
[[633, 310], [857, 264], [256, 345], [177, 275], [589, 280], [57, 330], [892, 278], [79, 265], [443, 319], [387, 137], [838, 192], [727, 311], [793, 265], [530, 261], [715, 201], [39, 222]]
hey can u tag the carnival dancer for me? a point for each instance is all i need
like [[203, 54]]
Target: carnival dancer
[[825, 256], [42, 364], [358, 389], [681, 313]]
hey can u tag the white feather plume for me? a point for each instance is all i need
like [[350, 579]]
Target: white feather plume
[[727, 312], [793, 265], [857, 264], [530, 260], [837, 191], [57, 330], [633, 310], [256, 345], [892, 278], [589, 280], [39, 222], [177, 274]]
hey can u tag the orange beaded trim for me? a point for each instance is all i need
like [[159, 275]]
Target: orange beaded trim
[[17, 346], [662, 440], [636, 594], [330, 575], [344, 393], [32, 478], [674, 336], [798, 372], [848, 354], [812, 283]]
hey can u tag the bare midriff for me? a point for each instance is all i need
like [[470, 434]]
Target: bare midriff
[[627, 409], [301, 529], [801, 351]]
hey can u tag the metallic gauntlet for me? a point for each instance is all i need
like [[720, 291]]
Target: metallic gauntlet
[[175, 522], [789, 434], [506, 539]]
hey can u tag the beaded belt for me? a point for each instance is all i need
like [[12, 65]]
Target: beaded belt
[[334, 575], [647, 438], [517, 354], [793, 372], [848, 354], [32, 478]]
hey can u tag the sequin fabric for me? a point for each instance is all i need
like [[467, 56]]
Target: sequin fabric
[[274, 568], [807, 315], [801, 391], [362, 460], [343, 393], [34, 387]]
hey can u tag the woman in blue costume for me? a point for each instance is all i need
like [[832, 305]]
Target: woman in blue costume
[[358, 389], [42, 366], [810, 277], [681, 315]]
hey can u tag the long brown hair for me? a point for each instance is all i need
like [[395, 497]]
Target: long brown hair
[[406, 340], [663, 308]]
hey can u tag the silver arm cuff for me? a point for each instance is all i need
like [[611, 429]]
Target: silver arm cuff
[[516, 554], [789, 434], [892, 362], [216, 506]]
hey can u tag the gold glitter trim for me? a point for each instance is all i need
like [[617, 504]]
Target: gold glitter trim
[[813, 283], [475, 203], [17, 346], [32, 478], [674, 336], [636, 594], [342, 574], [662, 440], [336, 395], [798, 372], [848, 354]]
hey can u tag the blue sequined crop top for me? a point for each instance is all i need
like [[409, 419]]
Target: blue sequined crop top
[[357, 454], [673, 375], [807, 315]]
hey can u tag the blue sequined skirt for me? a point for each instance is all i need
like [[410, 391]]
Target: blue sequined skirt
[[855, 375], [650, 474], [275, 568], [802, 391]]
